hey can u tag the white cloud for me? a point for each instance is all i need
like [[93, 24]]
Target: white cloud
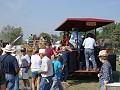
[[15, 5]]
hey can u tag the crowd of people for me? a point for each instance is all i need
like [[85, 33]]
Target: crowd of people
[[46, 65], [49, 66]]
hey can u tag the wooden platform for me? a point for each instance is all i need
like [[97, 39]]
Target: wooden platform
[[85, 71]]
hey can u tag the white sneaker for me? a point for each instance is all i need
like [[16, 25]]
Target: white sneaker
[[29, 88], [25, 88]]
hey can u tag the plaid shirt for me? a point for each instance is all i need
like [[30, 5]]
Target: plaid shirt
[[105, 73]]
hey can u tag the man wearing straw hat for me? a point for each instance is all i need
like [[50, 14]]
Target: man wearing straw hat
[[105, 75], [10, 66]]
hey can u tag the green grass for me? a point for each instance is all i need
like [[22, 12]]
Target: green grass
[[89, 82], [116, 73]]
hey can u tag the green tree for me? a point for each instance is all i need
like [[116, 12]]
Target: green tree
[[115, 38], [10, 33], [50, 37], [61, 34], [55, 37], [111, 32], [106, 31], [46, 35]]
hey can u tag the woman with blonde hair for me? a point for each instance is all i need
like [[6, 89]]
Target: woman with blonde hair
[[105, 75]]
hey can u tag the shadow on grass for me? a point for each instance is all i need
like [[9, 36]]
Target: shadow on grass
[[77, 78], [116, 76], [116, 73], [83, 78], [89, 78]]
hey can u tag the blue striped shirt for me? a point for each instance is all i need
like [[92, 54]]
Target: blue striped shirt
[[105, 73]]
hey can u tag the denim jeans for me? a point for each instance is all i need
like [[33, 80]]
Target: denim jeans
[[56, 83], [45, 83], [36, 74], [64, 74], [10, 81], [89, 53], [16, 82]]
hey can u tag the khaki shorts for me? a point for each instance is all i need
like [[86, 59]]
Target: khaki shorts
[[23, 74]]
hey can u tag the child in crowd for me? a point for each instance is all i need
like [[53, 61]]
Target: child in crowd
[[57, 73]]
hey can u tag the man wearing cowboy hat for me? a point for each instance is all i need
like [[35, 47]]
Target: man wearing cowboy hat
[[10, 66], [105, 75]]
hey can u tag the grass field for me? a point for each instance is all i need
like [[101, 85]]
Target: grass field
[[89, 82]]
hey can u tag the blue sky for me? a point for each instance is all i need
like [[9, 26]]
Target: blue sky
[[36, 16]]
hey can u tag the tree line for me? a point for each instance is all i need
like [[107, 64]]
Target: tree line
[[112, 32]]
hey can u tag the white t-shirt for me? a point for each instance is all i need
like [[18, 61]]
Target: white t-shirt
[[47, 66], [35, 62], [24, 60], [89, 43]]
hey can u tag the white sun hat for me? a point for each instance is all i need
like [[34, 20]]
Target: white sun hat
[[8, 48], [103, 53]]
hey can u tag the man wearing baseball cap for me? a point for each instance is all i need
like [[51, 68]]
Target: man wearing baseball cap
[[46, 71], [25, 64]]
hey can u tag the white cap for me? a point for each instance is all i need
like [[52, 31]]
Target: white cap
[[43, 51]]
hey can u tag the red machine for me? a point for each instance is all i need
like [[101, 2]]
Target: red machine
[[84, 25]]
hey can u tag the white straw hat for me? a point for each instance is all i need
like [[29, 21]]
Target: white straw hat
[[8, 48]]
